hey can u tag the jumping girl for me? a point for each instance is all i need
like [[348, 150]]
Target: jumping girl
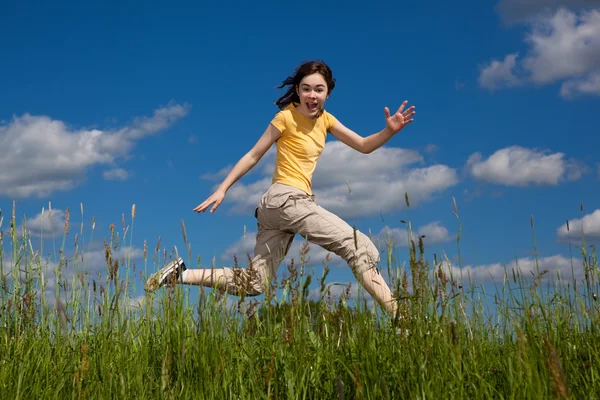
[[288, 207]]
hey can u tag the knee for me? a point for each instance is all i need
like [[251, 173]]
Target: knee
[[364, 254], [249, 281]]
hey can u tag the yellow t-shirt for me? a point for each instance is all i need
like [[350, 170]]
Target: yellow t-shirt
[[301, 143]]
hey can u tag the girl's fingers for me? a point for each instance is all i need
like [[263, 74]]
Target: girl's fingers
[[202, 206], [217, 204], [402, 106], [409, 111]]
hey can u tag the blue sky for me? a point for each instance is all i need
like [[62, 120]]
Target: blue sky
[[111, 105]]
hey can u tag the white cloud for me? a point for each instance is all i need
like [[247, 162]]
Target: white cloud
[[217, 176], [340, 163], [48, 223], [245, 197], [385, 193], [518, 166], [497, 74], [526, 268], [162, 119], [397, 237], [434, 233], [586, 85], [117, 174], [589, 226], [240, 249], [349, 183], [42, 155], [562, 47]]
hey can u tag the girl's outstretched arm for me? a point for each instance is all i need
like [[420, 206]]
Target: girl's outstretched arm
[[244, 165], [393, 124]]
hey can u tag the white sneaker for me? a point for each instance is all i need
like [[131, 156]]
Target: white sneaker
[[168, 275]]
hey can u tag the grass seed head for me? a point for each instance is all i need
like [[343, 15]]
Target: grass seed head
[[184, 233], [557, 375], [67, 217], [455, 207]]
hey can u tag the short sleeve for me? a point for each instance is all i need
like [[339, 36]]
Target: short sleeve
[[278, 121], [330, 121]]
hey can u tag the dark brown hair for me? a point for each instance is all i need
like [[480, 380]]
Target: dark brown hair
[[307, 68]]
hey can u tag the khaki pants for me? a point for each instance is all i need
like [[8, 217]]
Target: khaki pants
[[283, 212]]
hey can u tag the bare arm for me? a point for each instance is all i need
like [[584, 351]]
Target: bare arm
[[245, 164], [250, 159], [366, 145]]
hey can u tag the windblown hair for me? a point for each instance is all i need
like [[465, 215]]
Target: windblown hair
[[308, 68]]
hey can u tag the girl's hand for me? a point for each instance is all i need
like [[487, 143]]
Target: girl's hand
[[216, 199], [399, 120]]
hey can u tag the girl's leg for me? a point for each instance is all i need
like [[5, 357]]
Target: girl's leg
[[327, 230], [273, 241], [270, 249], [376, 286]]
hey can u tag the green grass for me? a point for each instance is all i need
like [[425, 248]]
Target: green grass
[[86, 340]]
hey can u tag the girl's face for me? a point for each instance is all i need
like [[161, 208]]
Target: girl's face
[[312, 92]]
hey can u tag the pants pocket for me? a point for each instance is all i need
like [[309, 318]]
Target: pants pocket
[[277, 196], [276, 200], [281, 206]]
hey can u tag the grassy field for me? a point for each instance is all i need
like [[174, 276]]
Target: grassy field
[[83, 337]]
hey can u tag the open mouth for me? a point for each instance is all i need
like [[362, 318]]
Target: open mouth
[[311, 106]]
